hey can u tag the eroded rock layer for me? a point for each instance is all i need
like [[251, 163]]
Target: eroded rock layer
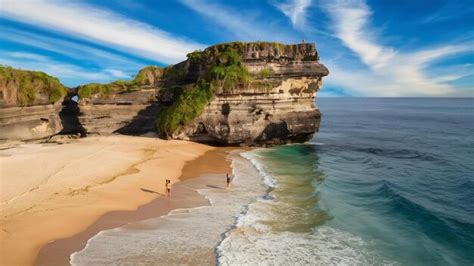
[[126, 113], [30, 102], [249, 94], [29, 123], [277, 106]]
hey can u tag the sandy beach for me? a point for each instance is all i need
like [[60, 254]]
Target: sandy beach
[[51, 191]]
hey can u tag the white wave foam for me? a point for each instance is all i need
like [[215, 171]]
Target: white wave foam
[[253, 157], [325, 246]]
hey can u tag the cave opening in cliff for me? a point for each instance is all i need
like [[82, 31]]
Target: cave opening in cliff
[[69, 116]]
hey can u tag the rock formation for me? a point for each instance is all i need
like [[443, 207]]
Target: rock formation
[[229, 94], [128, 107], [30, 103], [274, 106]]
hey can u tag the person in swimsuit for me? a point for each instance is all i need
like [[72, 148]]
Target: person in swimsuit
[[228, 180], [168, 187]]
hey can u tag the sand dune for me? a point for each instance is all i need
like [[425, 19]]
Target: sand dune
[[50, 191]]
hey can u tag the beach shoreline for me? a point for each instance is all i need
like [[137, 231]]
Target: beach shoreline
[[183, 195], [184, 236], [113, 174]]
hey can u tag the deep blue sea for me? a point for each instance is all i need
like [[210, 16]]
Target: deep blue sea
[[385, 181]]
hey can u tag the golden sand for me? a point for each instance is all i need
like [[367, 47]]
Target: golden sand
[[50, 192]]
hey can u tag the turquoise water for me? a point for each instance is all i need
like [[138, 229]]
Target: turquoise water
[[385, 181]]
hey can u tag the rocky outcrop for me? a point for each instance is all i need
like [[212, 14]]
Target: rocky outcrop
[[127, 113], [127, 107], [282, 114], [29, 123], [276, 106], [229, 94], [30, 103]]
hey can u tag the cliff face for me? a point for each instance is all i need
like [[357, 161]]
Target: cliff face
[[30, 103], [275, 106], [228, 94], [128, 113], [128, 107]]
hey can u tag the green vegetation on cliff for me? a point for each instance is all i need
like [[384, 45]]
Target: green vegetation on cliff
[[224, 73], [189, 105], [31, 84], [146, 76], [241, 47]]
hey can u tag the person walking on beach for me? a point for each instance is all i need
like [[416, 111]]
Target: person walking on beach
[[228, 180], [168, 187]]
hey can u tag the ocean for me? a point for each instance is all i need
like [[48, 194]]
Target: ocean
[[386, 181]]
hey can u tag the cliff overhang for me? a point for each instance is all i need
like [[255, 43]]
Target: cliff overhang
[[257, 93]]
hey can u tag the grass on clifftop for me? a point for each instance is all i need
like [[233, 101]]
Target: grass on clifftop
[[31, 83], [146, 76], [226, 71]]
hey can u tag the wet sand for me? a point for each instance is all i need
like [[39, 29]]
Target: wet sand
[[51, 191]]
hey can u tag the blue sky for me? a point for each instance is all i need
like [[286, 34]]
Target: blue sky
[[372, 48]]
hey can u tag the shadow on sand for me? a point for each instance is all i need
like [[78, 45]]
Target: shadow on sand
[[151, 191]]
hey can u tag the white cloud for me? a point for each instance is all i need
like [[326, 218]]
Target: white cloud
[[244, 25], [98, 25], [296, 11], [29, 56], [391, 72], [350, 22], [117, 73], [74, 50]]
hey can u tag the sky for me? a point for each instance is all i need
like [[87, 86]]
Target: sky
[[378, 48]]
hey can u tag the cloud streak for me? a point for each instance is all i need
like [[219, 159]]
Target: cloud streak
[[74, 50], [296, 11], [391, 72], [102, 26], [246, 26]]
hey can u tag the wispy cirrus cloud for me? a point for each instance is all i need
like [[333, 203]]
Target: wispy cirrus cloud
[[70, 49], [243, 25], [448, 11], [391, 72], [296, 11], [105, 27]]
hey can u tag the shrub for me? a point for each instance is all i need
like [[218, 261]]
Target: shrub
[[56, 94], [189, 105], [30, 83], [264, 73], [142, 78], [194, 56], [226, 71]]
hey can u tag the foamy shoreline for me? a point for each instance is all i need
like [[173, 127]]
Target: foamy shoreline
[[55, 191], [190, 234]]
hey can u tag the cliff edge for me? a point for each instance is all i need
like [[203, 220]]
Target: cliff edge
[[257, 93], [245, 94], [30, 102]]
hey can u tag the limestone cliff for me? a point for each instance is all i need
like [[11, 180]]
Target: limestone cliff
[[228, 94], [271, 102], [128, 107], [30, 103]]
